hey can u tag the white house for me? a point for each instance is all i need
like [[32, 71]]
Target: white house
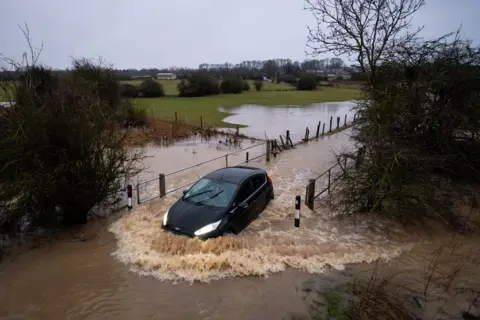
[[166, 76]]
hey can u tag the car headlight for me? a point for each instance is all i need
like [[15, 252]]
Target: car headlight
[[165, 218], [208, 228]]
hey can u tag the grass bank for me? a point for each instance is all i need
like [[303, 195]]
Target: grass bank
[[191, 109]]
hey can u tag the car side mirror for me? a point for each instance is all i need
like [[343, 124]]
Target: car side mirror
[[185, 192], [243, 205]]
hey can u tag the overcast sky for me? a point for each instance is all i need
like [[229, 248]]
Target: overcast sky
[[164, 33]]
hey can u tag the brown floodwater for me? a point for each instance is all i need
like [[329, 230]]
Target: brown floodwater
[[131, 269], [273, 121]]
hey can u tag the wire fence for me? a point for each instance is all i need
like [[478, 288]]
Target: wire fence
[[180, 179], [326, 181]]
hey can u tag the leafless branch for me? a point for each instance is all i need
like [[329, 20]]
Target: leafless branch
[[363, 28]]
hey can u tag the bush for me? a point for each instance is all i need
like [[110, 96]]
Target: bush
[[198, 85], [258, 84], [129, 91], [39, 80], [62, 153], [151, 89], [288, 78], [98, 79], [307, 82], [232, 85], [134, 116], [420, 131], [246, 86]]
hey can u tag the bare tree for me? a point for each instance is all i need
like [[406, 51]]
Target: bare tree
[[366, 29]]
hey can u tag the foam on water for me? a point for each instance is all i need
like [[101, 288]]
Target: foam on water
[[270, 244]]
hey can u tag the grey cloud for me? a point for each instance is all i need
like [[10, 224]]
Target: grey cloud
[[163, 33]]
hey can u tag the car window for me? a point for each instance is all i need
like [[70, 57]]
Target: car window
[[245, 191], [211, 192], [258, 180]]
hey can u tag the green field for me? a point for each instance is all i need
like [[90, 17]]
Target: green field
[[6, 91], [190, 109], [170, 86]]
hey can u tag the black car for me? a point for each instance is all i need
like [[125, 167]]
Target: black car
[[223, 201]]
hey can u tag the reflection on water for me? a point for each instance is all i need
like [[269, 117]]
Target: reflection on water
[[275, 120]]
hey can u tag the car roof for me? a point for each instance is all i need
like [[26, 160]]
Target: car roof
[[234, 174]]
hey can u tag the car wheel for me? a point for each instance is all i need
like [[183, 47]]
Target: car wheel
[[228, 231], [272, 196]]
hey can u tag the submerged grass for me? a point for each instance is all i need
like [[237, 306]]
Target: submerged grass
[[335, 309]]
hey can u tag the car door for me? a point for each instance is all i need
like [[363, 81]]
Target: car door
[[240, 217], [259, 182]]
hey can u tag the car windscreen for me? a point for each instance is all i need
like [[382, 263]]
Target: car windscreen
[[211, 192]]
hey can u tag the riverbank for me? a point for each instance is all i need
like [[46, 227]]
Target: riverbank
[[435, 280]]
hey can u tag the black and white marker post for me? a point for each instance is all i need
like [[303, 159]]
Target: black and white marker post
[[297, 211], [129, 197]]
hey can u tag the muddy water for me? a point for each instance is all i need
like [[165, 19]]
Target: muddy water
[[273, 121], [118, 275]]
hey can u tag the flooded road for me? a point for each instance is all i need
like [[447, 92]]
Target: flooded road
[[275, 120], [138, 271], [269, 245]]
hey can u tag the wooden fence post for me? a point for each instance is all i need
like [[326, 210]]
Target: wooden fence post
[[268, 149], [246, 155], [318, 129], [161, 181], [283, 143], [329, 179], [226, 161], [323, 129], [359, 159], [238, 130], [289, 139], [345, 122], [310, 193], [331, 119], [307, 134], [338, 122], [276, 146], [138, 194]]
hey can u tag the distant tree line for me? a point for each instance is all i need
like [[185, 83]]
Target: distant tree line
[[272, 69]]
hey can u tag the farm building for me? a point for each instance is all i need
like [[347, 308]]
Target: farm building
[[166, 76]]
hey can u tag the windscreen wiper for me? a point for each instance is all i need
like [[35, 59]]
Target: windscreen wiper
[[197, 194], [216, 194]]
